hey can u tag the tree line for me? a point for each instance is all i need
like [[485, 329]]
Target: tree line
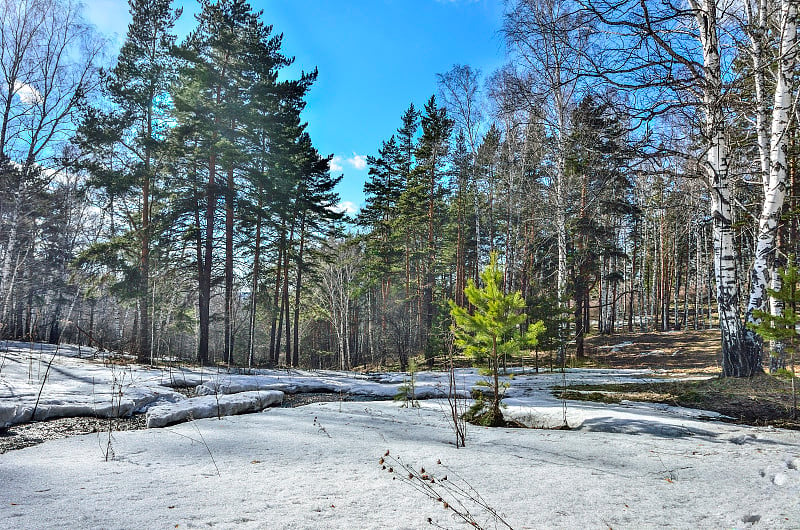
[[193, 194], [633, 167], [633, 164]]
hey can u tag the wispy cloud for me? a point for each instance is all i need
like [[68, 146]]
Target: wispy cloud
[[358, 161], [347, 207]]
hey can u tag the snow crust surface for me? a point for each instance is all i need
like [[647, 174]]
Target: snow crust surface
[[212, 406], [630, 465]]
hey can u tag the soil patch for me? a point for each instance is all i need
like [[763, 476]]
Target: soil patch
[[761, 400], [687, 351], [307, 398], [29, 434]]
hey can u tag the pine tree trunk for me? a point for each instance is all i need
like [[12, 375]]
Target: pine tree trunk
[[274, 334], [254, 285], [204, 267], [229, 199], [285, 309], [297, 290]]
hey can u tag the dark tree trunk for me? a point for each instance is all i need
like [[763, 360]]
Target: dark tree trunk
[[254, 293], [274, 333], [205, 265], [298, 287], [229, 199]]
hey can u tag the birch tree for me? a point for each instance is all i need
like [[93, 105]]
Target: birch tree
[[335, 296], [48, 58], [772, 138], [678, 60]]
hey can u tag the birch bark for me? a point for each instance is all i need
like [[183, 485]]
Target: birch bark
[[741, 353], [775, 177]]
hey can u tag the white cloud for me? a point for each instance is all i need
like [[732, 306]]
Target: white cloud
[[27, 93], [358, 161], [347, 207]]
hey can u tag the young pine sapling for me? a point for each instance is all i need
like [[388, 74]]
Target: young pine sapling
[[783, 327], [492, 332]]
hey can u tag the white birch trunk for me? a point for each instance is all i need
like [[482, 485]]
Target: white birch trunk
[[741, 354], [775, 186]]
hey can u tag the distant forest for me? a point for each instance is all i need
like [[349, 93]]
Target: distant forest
[[633, 167]]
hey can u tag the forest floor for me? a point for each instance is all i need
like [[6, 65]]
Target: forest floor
[[342, 463], [33, 433], [761, 400], [685, 352]]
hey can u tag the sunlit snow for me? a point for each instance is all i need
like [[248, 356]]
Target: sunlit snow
[[630, 465]]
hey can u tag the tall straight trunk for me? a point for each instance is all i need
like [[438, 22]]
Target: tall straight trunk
[[430, 279], [686, 281], [697, 283], [274, 333], [578, 315], [285, 312], [145, 345], [229, 200], [6, 270], [279, 315], [601, 285], [663, 290], [491, 222], [203, 263], [633, 280], [613, 312], [207, 266], [297, 290], [476, 205], [460, 244], [775, 186], [741, 353], [254, 286]]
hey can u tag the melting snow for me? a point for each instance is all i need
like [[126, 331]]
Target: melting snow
[[629, 465]]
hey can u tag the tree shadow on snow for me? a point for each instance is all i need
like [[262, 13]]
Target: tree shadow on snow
[[653, 428]]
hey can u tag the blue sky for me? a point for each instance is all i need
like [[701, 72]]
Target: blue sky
[[375, 57]]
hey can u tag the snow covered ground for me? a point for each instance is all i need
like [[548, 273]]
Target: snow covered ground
[[317, 466]]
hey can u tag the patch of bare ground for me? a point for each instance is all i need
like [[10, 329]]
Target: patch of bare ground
[[689, 351], [760, 400], [29, 434]]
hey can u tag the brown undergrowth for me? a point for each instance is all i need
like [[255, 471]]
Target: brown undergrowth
[[760, 400]]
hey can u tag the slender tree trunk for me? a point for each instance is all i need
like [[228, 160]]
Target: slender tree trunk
[[229, 200], [297, 290], [274, 334], [144, 349], [775, 186], [254, 285], [285, 302]]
